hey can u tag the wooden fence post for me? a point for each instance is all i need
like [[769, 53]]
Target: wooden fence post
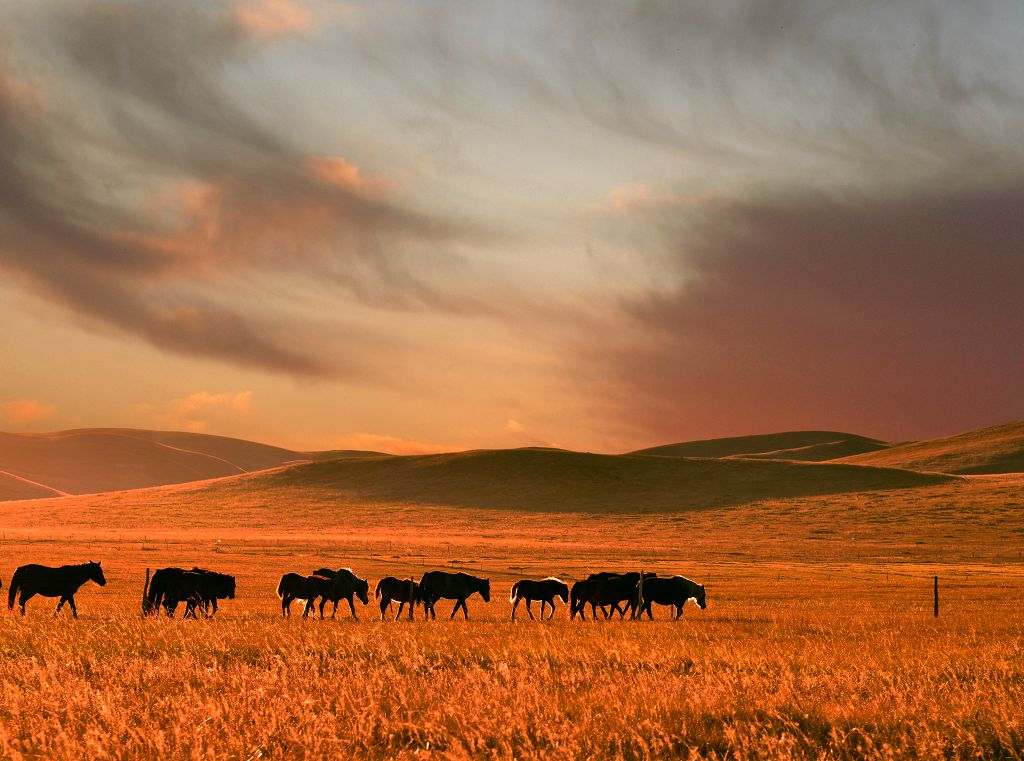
[[639, 593], [936, 596]]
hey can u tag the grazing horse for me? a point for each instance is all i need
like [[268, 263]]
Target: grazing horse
[[674, 591], [198, 588], [296, 587], [402, 591], [63, 582], [343, 585], [545, 590], [606, 590], [441, 585]]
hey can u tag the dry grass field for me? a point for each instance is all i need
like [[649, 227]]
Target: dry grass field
[[818, 640]]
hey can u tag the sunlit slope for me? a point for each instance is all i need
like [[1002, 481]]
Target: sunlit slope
[[789, 445], [557, 480], [998, 449]]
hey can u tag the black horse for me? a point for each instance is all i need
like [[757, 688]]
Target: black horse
[[344, 585], [606, 590], [402, 591], [545, 590], [674, 591], [441, 585], [198, 588], [63, 582], [294, 586]]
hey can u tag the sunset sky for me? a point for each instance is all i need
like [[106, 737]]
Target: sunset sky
[[429, 225]]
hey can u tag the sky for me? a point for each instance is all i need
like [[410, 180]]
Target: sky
[[418, 227]]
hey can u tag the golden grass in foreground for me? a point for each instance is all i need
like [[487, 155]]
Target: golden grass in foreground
[[818, 640], [866, 677]]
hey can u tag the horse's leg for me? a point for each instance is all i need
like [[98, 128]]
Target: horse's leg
[[528, 610], [352, 607], [515, 604], [60, 604], [71, 602], [334, 610], [285, 606], [385, 603], [455, 610], [401, 607], [323, 604], [465, 609], [24, 598]]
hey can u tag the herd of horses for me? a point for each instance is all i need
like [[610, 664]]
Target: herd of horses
[[200, 589]]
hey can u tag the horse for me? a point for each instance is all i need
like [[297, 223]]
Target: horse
[[344, 585], [606, 590], [293, 586], [674, 591], [438, 585], [403, 591], [198, 588], [62, 582], [545, 590]]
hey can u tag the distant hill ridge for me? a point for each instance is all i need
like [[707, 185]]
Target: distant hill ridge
[[555, 480], [996, 449], [789, 445], [89, 460]]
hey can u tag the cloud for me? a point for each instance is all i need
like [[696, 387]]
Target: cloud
[[23, 413], [273, 18], [192, 413], [642, 196], [213, 197], [391, 444], [882, 314]]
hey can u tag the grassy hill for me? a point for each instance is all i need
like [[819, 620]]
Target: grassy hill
[[812, 446], [997, 449], [90, 460], [554, 480]]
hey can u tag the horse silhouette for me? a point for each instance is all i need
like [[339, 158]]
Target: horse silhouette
[[294, 586], [62, 582], [606, 590], [198, 588], [402, 591], [545, 590], [344, 585], [441, 585], [674, 591]]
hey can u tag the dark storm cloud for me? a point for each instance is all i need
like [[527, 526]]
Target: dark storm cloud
[[141, 98], [897, 316]]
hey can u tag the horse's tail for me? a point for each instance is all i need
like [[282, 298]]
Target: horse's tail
[[157, 585], [13, 591], [280, 588], [376, 592], [512, 594]]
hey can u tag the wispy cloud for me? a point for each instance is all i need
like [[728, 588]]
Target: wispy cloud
[[24, 413], [193, 412]]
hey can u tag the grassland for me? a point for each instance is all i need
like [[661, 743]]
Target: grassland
[[818, 640]]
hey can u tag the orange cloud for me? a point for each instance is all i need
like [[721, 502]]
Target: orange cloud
[[390, 444], [639, 195], [25, 412], [271, 19], [191, 412], [334, 170]]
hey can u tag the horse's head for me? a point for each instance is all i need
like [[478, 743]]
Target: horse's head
[[96, 574], [701, 597], [363, 590], [485, 589], [225, 586], [563, 591]]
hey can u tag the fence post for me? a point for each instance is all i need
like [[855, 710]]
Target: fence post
[[639, 593], [936, 596]]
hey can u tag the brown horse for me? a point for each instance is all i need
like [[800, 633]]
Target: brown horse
[[62, 582], [402, 591], [292, 587], [674, 591], [545, 590], [441, 585], [344, 585]]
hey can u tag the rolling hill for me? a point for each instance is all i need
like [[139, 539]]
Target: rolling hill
[[555, 480], [997, 449], [808, 446], [109, 459]]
